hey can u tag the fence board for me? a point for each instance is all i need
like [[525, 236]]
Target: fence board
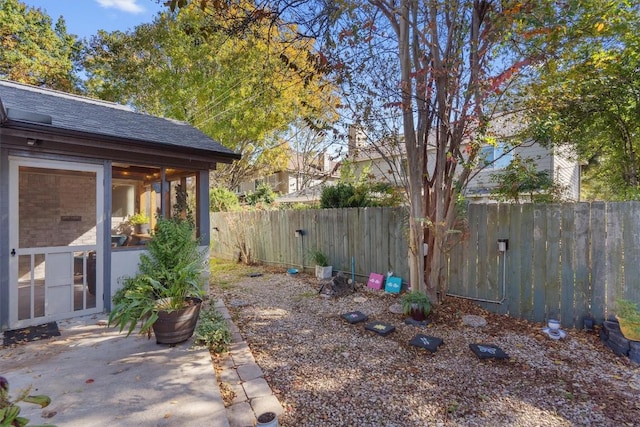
[[598, 261], [471, 285], [632, 251], [614, 244], [567, 247], [482, 248], [526, 268], [540, 262], [504, 214], [582, 308], [553, 283], [514, 261]]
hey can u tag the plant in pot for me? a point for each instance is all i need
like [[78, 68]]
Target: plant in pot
[[628, 317], [323, 269], [416, 304], [166, 294], [137, 221]]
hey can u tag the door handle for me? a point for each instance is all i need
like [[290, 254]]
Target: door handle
[[13, 252]]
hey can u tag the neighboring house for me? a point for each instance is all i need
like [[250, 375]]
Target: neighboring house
[[72, 170], [385, 162], [302, 172]]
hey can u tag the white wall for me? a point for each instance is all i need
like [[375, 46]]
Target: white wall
[[124, 262]]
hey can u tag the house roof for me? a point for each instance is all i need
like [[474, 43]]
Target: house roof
[[58, 112]]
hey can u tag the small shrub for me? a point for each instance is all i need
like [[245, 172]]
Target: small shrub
[[212, 331], [264, 194], [319, 257], [628, 310], [223, 200]]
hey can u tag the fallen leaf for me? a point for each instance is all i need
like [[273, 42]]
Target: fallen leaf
[[89, 381], [167, 415]]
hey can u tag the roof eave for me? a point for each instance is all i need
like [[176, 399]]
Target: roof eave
[[220, 156]]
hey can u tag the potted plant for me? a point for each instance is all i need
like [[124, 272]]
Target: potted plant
[[628, 317], [137, 221], [166, 293], [323, 269], [416, 304]]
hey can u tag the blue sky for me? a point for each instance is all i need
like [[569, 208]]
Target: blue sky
[[85, 17]]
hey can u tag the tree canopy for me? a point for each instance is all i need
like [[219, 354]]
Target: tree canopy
[[242, 90], [35, 52], [588, 97]]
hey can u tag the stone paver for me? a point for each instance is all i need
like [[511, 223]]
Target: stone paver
[[243, 357], [249, 372], [241, 415], [256, 388], [264, 404]]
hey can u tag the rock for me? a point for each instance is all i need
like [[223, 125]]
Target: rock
[[396, 308], [359, 299], [474, 321]]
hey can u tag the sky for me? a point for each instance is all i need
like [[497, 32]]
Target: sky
[[85, 17]]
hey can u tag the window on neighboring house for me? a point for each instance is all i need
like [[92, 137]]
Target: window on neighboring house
[[497, 157]]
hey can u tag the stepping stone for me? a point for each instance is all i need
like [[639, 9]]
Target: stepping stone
[[427, 342], [380, 328], [354, 317], [488, 351], [418, 323]]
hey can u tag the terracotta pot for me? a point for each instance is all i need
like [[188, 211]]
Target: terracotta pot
[[177, 326]]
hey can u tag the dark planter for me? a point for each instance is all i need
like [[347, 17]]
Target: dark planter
[[418, 315], [177, 326]]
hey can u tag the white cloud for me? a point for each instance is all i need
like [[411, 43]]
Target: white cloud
[[129, 6]]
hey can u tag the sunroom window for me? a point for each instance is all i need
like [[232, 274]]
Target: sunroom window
[[142, 194]]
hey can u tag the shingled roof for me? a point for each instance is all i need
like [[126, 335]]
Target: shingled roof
[[62, 112]]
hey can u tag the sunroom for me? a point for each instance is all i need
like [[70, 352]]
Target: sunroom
[[82, 183]]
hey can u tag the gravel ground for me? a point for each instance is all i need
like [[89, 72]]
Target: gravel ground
[[327, 372]]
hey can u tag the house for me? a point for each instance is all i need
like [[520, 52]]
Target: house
[[385, 161], [72, 170], [303, 171]]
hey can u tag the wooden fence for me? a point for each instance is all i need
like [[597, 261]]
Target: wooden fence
[[374, 239], [567, 261]]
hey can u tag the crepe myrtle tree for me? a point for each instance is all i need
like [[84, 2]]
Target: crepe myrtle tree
[[441, 68]]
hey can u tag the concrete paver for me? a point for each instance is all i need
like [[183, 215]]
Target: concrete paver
[[256, 388], [250, 371]]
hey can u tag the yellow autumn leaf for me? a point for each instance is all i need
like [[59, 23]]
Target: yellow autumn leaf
[[599, 26]]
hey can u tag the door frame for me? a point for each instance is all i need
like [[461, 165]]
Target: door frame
[[15, 162]]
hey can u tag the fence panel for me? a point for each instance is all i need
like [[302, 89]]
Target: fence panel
[[567, 261]]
